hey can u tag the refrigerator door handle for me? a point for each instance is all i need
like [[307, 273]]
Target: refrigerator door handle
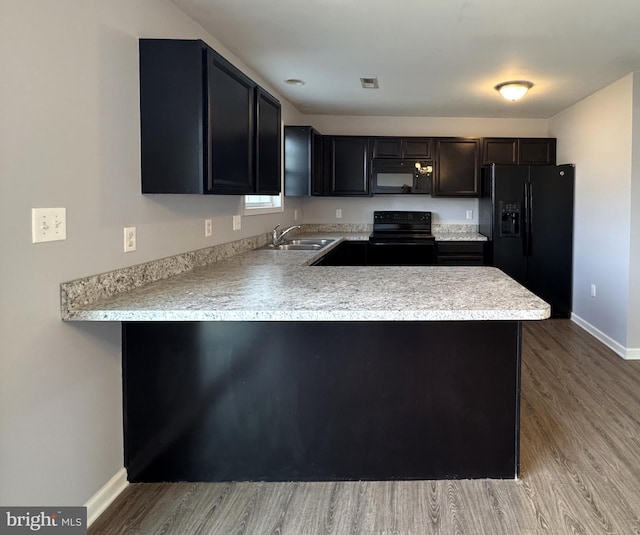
[[530, 219], [525, 221]]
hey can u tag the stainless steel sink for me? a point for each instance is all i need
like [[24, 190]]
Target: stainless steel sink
[[309, 241], [300, 244]]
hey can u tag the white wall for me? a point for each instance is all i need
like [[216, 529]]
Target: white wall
[[451, 211], [427, 126], [596, 135], [69, 136], [633, 323]]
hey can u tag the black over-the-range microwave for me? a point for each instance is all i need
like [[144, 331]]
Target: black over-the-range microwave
[[390, 175]]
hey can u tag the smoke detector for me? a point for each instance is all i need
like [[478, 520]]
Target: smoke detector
[[369, 82]]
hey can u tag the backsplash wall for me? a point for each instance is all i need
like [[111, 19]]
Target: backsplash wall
[[360, 210]]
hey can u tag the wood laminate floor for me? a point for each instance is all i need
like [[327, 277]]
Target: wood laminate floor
[[580, 444]]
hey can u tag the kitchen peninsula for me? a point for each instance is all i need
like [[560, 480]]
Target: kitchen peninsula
[[264, 367]]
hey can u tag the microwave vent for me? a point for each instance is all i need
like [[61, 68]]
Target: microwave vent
[[369, 83]]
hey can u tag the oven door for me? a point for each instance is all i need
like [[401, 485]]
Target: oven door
[[389, 253]]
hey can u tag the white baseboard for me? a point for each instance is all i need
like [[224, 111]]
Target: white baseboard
[[105, 496], [633, 354], [619, 349]]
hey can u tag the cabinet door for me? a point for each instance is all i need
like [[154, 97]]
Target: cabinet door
[[387, 147], [318, 176], [416, 147], [537, 151], [303, 162], [461, 253], [502, 151], [231, 128], [457, 168], [268, 127], [172, 107], [349, 165]]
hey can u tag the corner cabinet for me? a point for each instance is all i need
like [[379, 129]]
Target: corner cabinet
[[205, 126], [519, 151], [303, 161], [348, 159], [457, 167]]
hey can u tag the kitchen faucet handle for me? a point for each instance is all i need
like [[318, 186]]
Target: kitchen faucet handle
[[276, 227]]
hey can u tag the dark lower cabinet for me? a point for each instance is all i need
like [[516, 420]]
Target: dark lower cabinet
[[347, 253], [461, 253], [444, 253], [348, 160], [364, 253], [318, 401], [457, 167], [401, 254], [205, 126]]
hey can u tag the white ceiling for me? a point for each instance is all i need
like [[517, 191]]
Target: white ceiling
[[433, 58]]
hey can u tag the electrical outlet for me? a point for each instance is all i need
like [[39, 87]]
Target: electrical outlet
[[338, 213], [237, 222], [48, 224], [208, 228], [295, 215], [593, 290], [469, 214], [129, 239]]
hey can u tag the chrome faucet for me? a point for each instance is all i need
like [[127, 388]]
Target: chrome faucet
[[277, 239]]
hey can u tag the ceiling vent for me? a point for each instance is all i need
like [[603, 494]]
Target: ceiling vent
[[369, 83]]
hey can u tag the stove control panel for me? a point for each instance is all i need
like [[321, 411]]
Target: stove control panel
[[394, 216]]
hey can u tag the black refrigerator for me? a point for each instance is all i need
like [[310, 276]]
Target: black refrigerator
[[526, 212]]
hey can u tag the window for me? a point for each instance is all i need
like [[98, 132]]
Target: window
[[262, 204]]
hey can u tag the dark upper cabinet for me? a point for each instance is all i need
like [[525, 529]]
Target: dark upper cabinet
[[231, 128], [387, 147], [173, 107], [519, 151], [502, 151], [348, 159], [402, 147], [303, 157], [457, 164], [537, 151], [268, 144], [205, 126]]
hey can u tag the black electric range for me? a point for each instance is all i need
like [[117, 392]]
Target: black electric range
[[401, 238]]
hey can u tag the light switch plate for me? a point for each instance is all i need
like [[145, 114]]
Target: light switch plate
[[48, 224], [237, 222], [208, 228]]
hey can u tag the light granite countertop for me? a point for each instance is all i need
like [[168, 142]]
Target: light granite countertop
[[458, 236], [267, 285]]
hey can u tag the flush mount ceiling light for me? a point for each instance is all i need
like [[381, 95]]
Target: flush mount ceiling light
[[294, 81], [514, 90], [370, 82]]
